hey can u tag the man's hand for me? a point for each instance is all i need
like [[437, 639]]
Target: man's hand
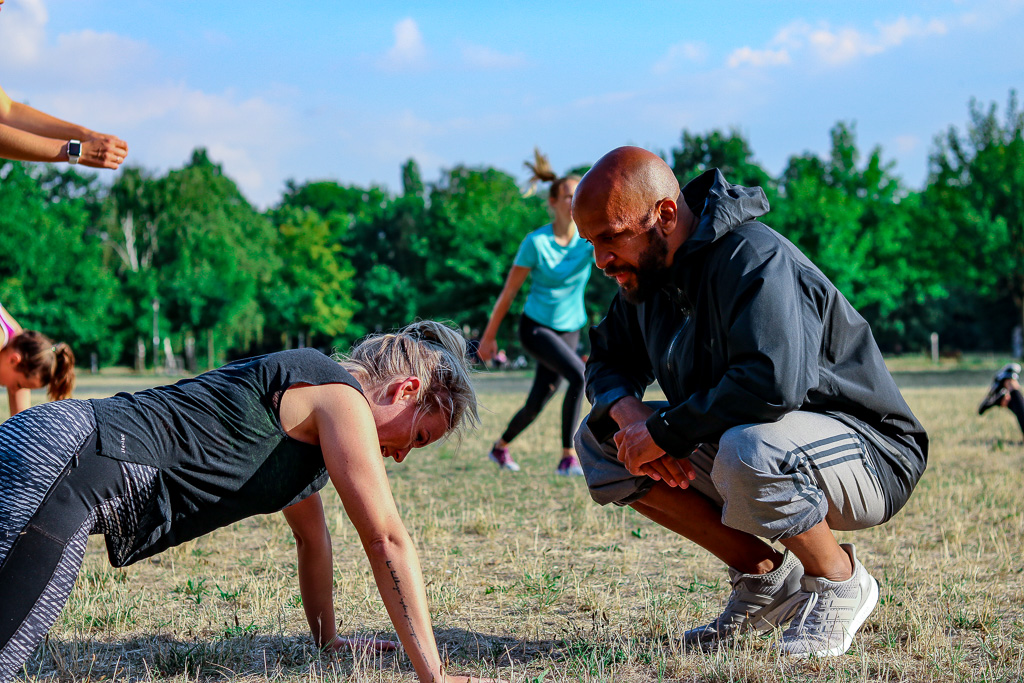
[[673, 471], [643, 457], [636, 447]]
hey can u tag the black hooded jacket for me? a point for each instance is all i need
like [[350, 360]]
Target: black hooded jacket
[[746, 330]]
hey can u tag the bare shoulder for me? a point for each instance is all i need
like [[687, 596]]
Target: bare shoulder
[[305, 408]]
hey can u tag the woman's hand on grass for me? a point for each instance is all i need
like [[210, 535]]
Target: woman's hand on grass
[[341, 644]]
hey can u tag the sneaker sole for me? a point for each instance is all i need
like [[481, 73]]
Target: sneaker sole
[[858, 620]]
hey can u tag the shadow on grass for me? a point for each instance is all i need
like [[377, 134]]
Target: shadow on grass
[[226, 657]]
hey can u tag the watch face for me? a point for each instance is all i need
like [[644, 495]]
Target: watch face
[[74, 148]]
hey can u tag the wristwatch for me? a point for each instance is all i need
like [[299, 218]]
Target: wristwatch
[[74, 151]]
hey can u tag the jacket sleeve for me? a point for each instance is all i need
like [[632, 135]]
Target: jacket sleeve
[[618, 366], [772, 332]]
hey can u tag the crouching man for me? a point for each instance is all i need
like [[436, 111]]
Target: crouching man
[[782, 422]]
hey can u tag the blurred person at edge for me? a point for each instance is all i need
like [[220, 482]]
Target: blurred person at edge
[[31, 360]]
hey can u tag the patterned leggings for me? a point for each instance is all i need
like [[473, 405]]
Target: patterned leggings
[[54, 491]]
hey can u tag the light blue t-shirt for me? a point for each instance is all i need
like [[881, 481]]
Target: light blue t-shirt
[[560, 275]]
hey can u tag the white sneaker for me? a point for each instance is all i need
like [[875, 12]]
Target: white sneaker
[[757, 602], [831, 613]]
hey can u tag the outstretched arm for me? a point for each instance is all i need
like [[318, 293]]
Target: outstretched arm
[[27, 134], [348, 438], [513, 283]]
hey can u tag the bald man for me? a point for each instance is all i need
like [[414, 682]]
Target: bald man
[[782, 423]]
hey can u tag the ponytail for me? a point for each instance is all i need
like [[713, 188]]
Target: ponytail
[[53, 364], [63, 379], [542, 172]]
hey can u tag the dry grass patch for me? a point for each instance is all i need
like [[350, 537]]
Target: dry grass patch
[[528, 579]]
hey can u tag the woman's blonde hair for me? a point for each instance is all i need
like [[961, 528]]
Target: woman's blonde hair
[[542, 172], [429, 350]]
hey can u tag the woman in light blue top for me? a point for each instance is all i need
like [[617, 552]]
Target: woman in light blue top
[[549, 329]]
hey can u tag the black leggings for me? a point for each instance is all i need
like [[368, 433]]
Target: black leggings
[[1016, 406], [555, 353], [39, 572]]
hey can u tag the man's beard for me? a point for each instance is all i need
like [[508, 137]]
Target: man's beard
[[650, 273]]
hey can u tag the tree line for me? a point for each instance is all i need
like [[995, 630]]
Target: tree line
[[185, 263]]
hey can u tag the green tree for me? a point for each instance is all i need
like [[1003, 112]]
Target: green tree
[[477, 218], [728, 152], [52, 276], [975, 202], [215, 251], [854, 222], [312, 291]]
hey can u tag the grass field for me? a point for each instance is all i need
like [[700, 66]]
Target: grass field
[[530, 580]]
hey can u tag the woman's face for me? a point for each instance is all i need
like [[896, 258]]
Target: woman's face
[[401, 426], [562, 204], [13, 378]]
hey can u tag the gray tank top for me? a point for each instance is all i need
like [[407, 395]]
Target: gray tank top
[[217, 446]]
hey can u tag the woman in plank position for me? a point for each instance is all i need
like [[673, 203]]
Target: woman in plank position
[[157, 468]]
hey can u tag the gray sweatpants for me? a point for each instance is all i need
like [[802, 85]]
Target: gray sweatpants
[[774, 480]]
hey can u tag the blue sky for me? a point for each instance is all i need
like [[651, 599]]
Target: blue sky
[[348, 91]]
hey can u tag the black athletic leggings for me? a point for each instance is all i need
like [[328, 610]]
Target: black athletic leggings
[[40, 570], [555, 353], [1016, 405]]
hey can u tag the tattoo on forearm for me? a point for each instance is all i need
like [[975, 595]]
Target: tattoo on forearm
[[401, 601]]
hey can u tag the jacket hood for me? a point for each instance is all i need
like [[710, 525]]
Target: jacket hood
[[721, 207]]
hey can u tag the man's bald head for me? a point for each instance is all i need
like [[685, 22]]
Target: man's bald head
[[624, 185], [628, 207]]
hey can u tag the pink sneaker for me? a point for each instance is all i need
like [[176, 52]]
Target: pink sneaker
[[570, 467], [504, 460]]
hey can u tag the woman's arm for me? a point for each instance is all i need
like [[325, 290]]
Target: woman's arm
[[18, 399], [316, 566], [11, 322], [27, 134], [348, 438], [513, 283]]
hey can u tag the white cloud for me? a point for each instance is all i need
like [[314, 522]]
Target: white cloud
[[482, 57], [679, 55], [23, 31], [746, 55], [823, 44], [408, 49], [84, 58]]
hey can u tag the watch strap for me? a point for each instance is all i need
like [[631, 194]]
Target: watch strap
[[74, 151]]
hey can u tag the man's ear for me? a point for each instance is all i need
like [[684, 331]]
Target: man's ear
[[668, 216]]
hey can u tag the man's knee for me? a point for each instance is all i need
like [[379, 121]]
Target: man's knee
[[745, 452], [608, 480]]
